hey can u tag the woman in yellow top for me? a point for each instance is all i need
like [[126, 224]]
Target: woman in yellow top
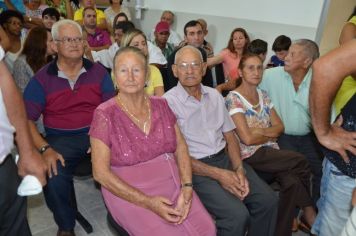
[[136, 38], [348, 87]]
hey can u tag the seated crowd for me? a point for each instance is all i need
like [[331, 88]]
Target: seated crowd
[[171, 154]]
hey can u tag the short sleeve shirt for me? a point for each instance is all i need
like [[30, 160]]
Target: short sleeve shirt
[[236, 103]]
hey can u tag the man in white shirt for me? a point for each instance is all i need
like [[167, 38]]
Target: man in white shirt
[[13, 208]]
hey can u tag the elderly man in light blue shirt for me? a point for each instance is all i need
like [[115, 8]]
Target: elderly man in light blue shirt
[[232, 193], [288, 88]]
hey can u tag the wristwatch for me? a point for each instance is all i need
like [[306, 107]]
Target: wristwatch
[[44, 148], [2, 53]]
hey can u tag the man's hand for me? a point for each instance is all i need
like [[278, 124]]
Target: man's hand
[[234, 183], [240, 173], [184, 202], [51, 157], [163, 207], [32, 165], [339, 140]]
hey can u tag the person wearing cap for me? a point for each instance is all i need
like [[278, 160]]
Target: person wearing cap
[[161, 38]]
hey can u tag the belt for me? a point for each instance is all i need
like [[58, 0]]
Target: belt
[[214, 155]]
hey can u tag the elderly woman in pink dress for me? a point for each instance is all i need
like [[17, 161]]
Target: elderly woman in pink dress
[[141, 160]]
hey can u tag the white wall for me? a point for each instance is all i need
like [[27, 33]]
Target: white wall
[[261, 18]]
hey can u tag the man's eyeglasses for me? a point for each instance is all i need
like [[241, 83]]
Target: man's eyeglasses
[[67, 40], [185, 65]]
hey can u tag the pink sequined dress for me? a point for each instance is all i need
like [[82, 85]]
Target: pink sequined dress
[[147, 163]]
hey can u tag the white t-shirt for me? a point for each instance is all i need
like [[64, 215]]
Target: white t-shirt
[[174, 38]]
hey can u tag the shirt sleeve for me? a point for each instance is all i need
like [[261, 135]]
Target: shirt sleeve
[[107, 88], [21, 73], [100, 127], [266, 99], [35, 99], [107, 40], [234, 104], [228, 124], [78, 14], [157, 80], [100, 14], [171, 116]]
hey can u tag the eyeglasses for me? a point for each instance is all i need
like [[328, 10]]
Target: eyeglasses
[[185, 65], [67, 40]]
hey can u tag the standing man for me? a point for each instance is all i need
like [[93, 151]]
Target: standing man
[[288, 88], [13, 208], [65, 92], [97, 38], [231, 191], [339, 139]]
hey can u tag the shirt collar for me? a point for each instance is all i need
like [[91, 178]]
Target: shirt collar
[[183, 94], [53, 68]]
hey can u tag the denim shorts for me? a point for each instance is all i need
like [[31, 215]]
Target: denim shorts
[[335, 201]]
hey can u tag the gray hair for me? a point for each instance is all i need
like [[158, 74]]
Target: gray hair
[[311, 49], [59, 24], [136, 51], [181, 50]]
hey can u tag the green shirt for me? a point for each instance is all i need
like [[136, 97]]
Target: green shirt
[[292, 106]]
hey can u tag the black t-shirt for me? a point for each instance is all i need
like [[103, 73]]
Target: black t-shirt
[[349, 123]]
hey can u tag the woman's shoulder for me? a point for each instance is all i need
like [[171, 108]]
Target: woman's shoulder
[[107, 105]]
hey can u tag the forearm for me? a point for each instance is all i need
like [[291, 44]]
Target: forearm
[[227, 86], [234, 153], [202, 169], [273, 131], [69, 10], [16, 110], [38, 140], [184, 165]]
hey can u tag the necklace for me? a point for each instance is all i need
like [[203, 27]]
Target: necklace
[[145, 122]]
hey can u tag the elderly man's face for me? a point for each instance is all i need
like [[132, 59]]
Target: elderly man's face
[[195, 35], [296, 59], [69, 44], [189, 67], [167, 17], [89, 19]]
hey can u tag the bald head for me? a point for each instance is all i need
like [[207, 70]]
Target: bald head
[[189, 49]]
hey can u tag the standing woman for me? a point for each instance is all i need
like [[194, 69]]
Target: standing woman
[[115, 8], [136, 38], [230, 58], [258, 126], [141, 160], [37, 52]]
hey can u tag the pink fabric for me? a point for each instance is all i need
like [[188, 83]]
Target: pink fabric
[[148, 164], [128, 144], [140, 221], [100, 38], [230, 64]]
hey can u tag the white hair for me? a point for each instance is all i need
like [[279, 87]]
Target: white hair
[[181, 50], [58, 24]]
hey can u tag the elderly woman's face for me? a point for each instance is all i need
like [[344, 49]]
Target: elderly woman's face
[[140, 42], [252, 71], [130, 73]]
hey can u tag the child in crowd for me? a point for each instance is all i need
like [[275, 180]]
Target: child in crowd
[[280, 46]]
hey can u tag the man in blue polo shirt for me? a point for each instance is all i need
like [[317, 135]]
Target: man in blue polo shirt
[[65, 92], [288, 87]]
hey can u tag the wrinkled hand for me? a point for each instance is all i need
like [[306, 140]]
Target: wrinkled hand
[[51, 157], [184, 202], [233, 183], [163, 207], [339, 140], [31, 163], [240, 173]]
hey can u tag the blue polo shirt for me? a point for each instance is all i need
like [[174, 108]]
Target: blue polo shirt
[[292, 106]]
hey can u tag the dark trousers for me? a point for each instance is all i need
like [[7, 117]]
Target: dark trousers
[[309, 146], [13, 208], [291, 170], [256, 214], [58, 190]]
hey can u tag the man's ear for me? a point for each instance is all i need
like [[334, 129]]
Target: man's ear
[[307, 63], [175, 70], [54, 46]]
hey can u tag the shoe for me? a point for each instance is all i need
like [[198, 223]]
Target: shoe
[[295, 225], [65, 233], [304, 225]]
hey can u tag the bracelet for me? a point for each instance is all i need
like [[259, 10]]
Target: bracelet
[[187, 185], [44, 148]]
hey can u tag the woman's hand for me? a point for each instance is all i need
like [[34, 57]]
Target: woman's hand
[[184, 202], [163, 207]]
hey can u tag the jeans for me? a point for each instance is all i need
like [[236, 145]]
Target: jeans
[[335, 201], [58, 190]]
